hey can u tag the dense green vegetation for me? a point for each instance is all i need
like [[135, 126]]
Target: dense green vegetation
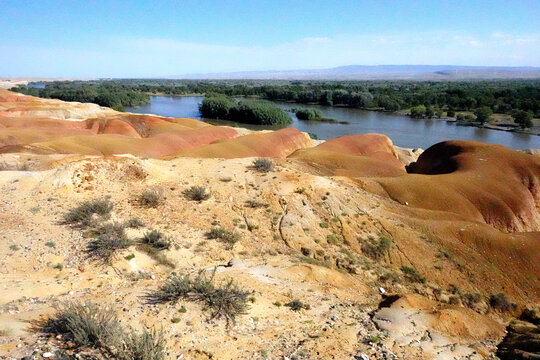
[[434, 98], [308, 114], [246, 111], [105, 93]]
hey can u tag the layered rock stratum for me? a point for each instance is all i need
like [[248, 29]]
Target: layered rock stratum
[[396, 256]]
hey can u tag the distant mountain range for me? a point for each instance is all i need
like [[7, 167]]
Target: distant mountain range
[[383, 72]]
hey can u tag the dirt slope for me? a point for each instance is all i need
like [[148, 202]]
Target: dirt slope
[[389, 261]]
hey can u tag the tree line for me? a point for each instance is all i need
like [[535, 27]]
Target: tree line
[[500, 96]]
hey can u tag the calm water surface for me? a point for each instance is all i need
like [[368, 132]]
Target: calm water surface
[[404, 131]]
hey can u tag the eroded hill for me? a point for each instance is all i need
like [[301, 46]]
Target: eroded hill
[[342, 249]]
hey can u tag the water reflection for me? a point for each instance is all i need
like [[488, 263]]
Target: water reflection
[[403, 130]]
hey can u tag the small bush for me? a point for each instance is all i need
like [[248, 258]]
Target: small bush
[[263, 165], [151, 198], [196, 193], [412, 274], [295, 305], [228, 237], [82, 214], [308, 114], [377, 249], [109, 238], [225, 300], [147, 345], [85, 324], [470, 300], [134, 223], [89, 325], [500, 302], [156, 239], [323, 225], [254, 204]]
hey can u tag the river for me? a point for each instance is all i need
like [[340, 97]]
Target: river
[[403, 130]]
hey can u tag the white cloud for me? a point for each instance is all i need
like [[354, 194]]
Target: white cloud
[[141, 57]]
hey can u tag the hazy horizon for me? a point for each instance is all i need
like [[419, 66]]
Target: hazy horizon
[[145, 39]]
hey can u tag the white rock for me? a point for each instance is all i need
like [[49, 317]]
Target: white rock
[[48, 355], [364, 357], [382, 291]]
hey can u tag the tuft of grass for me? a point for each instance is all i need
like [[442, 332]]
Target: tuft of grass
[[147, 345], [227, 236], [223, 300], [197, 193], [323, 225], [254, 204], [14, 247], [50, 244], [295, 305], [376, 249], [85, 324], [176, 320], [109, 238], [156, 239], [151, 198], [263, 165], [134, 223], [130, 257], [412, 274], [82, 215], [91, 326]]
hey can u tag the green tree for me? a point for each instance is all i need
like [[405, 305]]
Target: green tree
[[216, 107], [483, 114], [523, 118], [418, 111]]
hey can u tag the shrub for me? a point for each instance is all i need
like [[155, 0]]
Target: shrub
[[263, 165], [377, 249], [470, 300], [308, 114], [500, 302], [109, 238], [82, 214], [156, 239], [254, 204], [295, 305], [225, 300], [151, 198], [197, 193], [134, 223], [89, 325], [412, 274], [85, 324], [226, 236], [147, 345]]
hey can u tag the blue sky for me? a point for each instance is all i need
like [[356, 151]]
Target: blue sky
[[163, 38]]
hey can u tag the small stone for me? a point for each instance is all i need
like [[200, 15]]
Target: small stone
[[48, 355]]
